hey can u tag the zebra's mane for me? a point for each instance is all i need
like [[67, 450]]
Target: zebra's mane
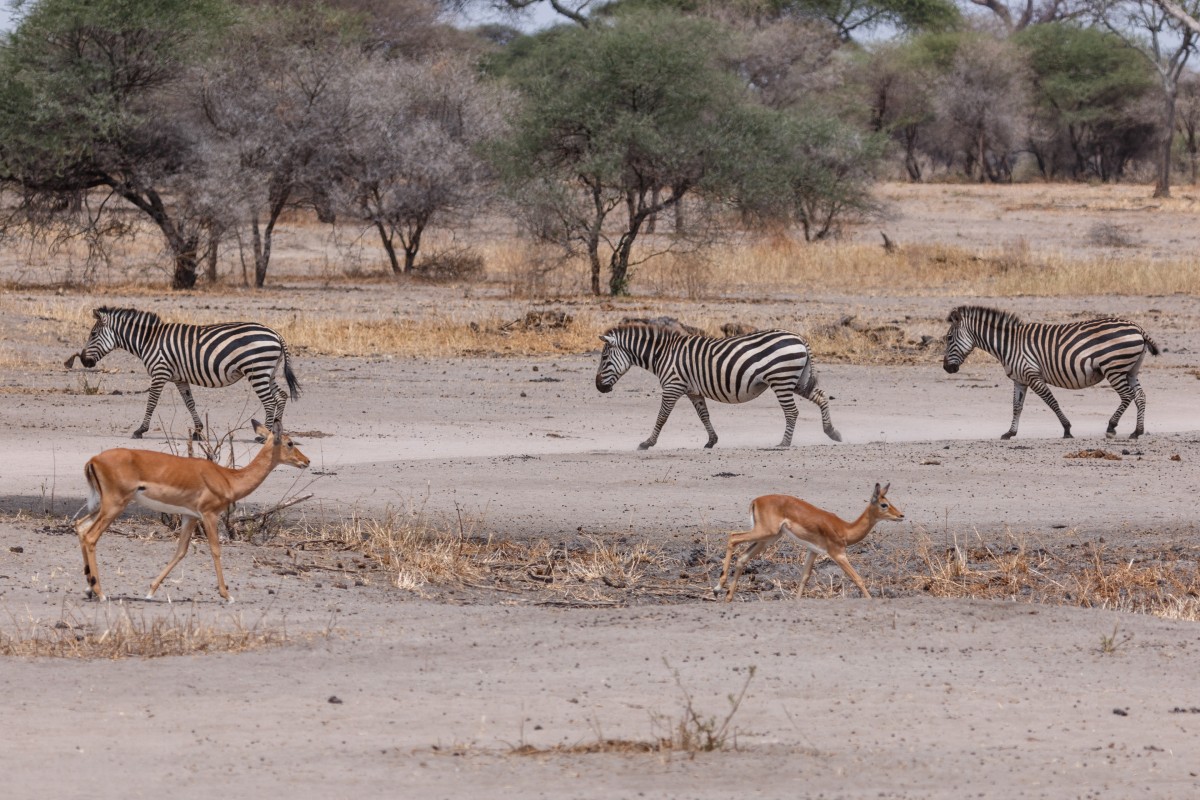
[[128, 312], [1002, 318], [657, 330]]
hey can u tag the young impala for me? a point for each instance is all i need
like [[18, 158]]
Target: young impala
[[194, 487], [819, 531]]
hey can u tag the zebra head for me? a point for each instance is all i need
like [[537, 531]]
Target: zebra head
[[615, 361], [101, 341], [960, 341]]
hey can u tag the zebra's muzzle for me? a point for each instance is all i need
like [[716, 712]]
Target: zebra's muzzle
[[603, 388], [951, 368], [87, 362]]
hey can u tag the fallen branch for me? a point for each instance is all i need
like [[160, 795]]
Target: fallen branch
[[262, 516]]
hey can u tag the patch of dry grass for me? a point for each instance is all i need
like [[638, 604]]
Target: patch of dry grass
[[126, 635]]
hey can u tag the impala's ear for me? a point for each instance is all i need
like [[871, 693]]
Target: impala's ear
[[875, 494], [885, 488], [259, 428], [277, 429]]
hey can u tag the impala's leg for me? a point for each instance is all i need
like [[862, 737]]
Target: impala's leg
[[185, 538], [734, 540], [1018, 404], [89, 530], [1043, 391], [671, 394], [844, 563], [214, 544], [759, 544], [185, 391], [156, 386], [817, 396], [809, 560], [787, 400], [702, 412]]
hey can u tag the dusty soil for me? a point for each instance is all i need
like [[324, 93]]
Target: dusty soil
[[494, 689]]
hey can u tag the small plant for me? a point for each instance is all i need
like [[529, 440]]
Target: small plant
[[696, 733], [1110, 644]]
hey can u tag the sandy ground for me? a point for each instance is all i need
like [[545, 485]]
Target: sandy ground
[[382, 691]]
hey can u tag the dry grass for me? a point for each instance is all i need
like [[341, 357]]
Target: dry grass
[[126, 635], [429, 557]]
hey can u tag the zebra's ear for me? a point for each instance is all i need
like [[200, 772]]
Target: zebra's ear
[[608, 338], [955, 316], [96, 313]]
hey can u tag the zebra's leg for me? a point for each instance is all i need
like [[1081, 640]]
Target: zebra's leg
[[272, 399], [702, 412], [1139, 399], [1043, 391], [156, 387], [1019, 390], [787, 401], [669, 398], [1121, 385], [185, 391], [816, 395]]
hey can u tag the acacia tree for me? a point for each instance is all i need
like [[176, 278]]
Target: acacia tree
[[620, 122], [87, 102], [1089, 95], [415, 152], [1166, 41]]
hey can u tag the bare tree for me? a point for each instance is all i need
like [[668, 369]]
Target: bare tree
[[982, 107], [281, 97], [1188, 122], [415, 154]]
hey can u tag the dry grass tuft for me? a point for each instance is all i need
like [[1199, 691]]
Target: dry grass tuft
[[130, 636]]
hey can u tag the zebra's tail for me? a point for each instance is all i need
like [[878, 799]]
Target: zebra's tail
[[1151, 345], [808, 378], [293, 384]]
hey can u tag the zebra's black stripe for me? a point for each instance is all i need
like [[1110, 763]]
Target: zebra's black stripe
[[731, 370], [200, 355], [1038, 355]]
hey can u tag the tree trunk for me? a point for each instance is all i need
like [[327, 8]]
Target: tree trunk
[[1163, 186], [210, 258], [185, 265], [389, 247]]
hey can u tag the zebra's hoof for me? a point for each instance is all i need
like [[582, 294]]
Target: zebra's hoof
[[709, 445], [196, 436], [645, 445], [833, 434], [1136, 434], [138, 433], [1007, 436], [1067, 435], [1113, 435]]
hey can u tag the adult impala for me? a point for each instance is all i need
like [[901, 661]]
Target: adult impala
[[819, 531], [194, 487]]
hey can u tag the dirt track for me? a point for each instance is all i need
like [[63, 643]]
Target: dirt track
[[905, 696]]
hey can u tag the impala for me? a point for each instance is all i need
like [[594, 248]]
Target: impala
[[820, 532], [196, 488]]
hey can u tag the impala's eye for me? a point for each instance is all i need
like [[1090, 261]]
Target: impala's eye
[[883, 505]]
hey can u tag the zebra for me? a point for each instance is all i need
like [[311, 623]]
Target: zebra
[[204, 355], [1038, 355], [730, 370]]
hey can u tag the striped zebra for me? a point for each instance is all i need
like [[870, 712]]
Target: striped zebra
[[1038, 355], [204, 355], [731, 370]]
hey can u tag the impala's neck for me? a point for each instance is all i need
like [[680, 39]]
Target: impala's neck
[[857, 531], [250, 477]]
